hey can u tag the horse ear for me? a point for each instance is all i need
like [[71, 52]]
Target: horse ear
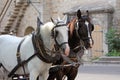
[[54, 22], [65, 19], [92, 27], [39, 22], [79, 14], [87, 13], [58, 18]]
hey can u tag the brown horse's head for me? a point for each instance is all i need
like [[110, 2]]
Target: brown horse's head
[[81, 29]]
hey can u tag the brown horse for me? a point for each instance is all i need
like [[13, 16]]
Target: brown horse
[[79, 39]]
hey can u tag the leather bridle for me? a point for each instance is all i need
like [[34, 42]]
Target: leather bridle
[[54, 37], [82, 38]]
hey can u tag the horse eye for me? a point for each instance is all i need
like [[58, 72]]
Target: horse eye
[[56, 33], [92, 27]]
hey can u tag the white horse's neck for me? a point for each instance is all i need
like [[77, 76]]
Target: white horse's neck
[[45, 32]]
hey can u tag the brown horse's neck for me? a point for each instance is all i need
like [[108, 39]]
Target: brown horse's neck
[[73, 38], [71, 26]]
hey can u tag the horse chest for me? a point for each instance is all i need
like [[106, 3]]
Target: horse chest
[[38, 65]]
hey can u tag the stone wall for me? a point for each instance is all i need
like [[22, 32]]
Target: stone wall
[[55, 8], [61, 6], [34, 10], [2, 3], [47, 10], [116, 21], [29, 19], [3, 20]]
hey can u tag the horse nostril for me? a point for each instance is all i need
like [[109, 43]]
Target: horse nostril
[[65, 47], [91, 45]]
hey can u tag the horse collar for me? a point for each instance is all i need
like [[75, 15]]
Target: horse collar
[[40, 50]]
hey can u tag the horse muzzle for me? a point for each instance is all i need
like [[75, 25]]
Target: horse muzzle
[[67, 50], [65, 47], [91, 43]]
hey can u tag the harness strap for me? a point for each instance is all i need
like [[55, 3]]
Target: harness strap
[[21, 64], [40, 50], [19, 56], [18, 60], [18, 52]]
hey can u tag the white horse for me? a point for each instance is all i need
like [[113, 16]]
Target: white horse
[[35, 67]]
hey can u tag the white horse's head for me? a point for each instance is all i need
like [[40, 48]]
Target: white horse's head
[[58, 31]]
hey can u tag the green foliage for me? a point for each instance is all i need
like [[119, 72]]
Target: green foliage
[[113, 53], [113, 41]]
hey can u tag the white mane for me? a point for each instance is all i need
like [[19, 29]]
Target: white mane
[[45, 31]]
